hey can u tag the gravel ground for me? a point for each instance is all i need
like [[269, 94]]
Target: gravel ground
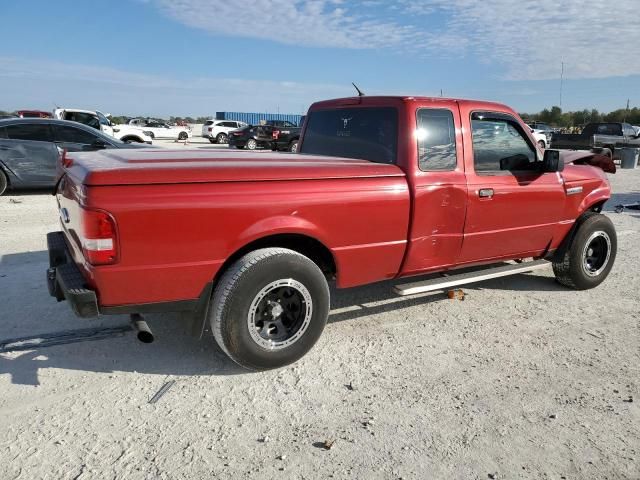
[[522, 379]]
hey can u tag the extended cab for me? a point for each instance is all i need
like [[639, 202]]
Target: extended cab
[[383, 188], [611, 136]]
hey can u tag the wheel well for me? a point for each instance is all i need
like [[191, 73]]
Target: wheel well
[[131, 137], [307, 246], [597, 207]]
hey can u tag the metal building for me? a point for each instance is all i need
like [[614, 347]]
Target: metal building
[[255, 118]]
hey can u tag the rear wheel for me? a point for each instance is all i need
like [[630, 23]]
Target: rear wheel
[[4, 182], [589, 258], [542, 144], [269, 308], [183, 136], [222, 138], [293, 147], [251, 144]]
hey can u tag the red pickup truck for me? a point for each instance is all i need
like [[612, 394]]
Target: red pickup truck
[[383, 188]]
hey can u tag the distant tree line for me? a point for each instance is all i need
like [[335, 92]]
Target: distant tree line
[[557, 118]]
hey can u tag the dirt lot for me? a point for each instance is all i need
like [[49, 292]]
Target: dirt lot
[[522, 379]]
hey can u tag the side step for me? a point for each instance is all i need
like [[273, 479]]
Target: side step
[[442, 283]]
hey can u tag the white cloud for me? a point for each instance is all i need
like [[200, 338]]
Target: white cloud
[[39, 83], [313, 23], [524, 39]]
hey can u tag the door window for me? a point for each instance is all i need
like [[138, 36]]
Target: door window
[[29, 131], [69, 134], [84, 118], [499, 144], [436, 136]]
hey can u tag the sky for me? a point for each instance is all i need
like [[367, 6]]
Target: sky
[[197, 57]]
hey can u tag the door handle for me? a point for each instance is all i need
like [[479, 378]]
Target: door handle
[[485, 192]]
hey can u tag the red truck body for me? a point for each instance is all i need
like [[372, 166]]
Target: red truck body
[[182, 217]]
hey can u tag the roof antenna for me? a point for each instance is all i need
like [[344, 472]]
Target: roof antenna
[[360, 94]]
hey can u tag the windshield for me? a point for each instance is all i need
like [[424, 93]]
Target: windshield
[[360, 132]]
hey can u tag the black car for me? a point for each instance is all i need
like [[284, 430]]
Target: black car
[[31, 147], [252, 137]]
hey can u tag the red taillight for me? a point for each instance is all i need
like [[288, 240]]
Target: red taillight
[[210, 129], [275, 134], [99, 242]]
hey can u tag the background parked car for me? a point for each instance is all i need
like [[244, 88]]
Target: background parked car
[[285, 135], [99, 121], [31, 147], [540, 137], [217, 131], [543, 128], [33, 114], [252, 137], [160, 129]]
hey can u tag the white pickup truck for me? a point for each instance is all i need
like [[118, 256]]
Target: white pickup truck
[[99, 121]]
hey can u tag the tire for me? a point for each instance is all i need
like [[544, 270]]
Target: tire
[[293, 146], [4, 182], [591, 254], [541, 144], [132, 140], [258, 284], [222, 138], [152, 135], [251, 144], [183, 136]]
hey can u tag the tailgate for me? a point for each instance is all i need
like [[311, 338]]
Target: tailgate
[[70, 198]]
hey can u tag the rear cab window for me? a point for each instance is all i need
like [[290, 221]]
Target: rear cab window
[[367, 133]]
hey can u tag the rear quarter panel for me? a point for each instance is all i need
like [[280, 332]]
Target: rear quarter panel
[[174, 238]]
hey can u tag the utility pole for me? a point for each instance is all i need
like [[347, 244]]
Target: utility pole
[[626, 112], [441, 92], [561, 79]]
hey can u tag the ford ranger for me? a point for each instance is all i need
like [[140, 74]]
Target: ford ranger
[[382, 188]]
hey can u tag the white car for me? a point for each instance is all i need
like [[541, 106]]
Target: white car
[[159, 129], [99, 121], [540, 137], [217, 131]]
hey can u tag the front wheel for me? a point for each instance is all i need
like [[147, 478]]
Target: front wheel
[[590, 256], [269, 308], [183, 136], [251, 144], [541, 144], [222, 138], [293, 148]]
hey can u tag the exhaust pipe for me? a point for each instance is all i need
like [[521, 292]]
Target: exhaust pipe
[[143, 332]]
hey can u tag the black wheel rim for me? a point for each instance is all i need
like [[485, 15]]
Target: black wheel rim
[[596, 253], [280, 314]]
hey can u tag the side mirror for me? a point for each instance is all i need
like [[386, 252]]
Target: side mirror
[[551, 162]]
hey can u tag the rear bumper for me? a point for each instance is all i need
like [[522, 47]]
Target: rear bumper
[[65, 281]]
